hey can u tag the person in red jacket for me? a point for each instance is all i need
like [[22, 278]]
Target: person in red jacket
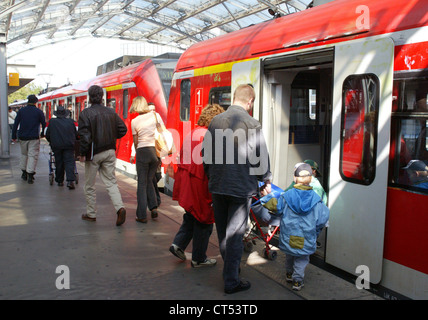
[[191, 191]]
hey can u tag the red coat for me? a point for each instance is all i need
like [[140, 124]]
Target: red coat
[[191, 182]]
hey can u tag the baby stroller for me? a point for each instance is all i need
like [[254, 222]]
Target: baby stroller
[[52, 169], [260, 220]]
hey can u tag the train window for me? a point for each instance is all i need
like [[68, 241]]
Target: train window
[[111, 103], [221, 96], [125, 103], [303, 120], [185, 100], [360, 105], [409, 138]]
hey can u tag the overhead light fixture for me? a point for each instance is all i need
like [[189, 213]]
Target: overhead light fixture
[[274, 13]]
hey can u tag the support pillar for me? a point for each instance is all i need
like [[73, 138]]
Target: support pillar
[[4, 123]]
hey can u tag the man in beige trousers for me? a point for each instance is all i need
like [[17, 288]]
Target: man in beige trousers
[[99, 128]]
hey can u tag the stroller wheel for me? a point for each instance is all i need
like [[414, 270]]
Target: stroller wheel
[[248, 246], [271, 255], [77, 178], [51, 178]]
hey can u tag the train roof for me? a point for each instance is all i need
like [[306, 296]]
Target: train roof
[[119, 76], [330, 22]]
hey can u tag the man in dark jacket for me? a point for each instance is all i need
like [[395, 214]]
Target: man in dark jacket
[[99, 128], [235, 159], [29, 120], [62, 134]]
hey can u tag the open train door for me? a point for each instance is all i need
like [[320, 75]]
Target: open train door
[[362, 99]]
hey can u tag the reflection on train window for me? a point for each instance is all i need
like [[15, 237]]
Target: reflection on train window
[[360, 106], [409, 139], [221, 96], [185, 100], [125, 103], [304, 126]]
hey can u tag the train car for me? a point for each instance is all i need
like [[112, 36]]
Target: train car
[[345, 84], [150, 78]]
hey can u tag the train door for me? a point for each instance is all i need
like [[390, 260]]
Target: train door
[[295, 98], [362, 98]]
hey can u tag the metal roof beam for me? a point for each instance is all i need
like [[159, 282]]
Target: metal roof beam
[[38, 19]]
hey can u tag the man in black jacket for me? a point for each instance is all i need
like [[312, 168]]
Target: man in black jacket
[[99, 128], [29, 120], [62, 134], [235, 159]]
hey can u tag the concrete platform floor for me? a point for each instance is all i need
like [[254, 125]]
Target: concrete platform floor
[[41, 229]]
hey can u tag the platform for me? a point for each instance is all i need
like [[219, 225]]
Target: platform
[[41, 228]]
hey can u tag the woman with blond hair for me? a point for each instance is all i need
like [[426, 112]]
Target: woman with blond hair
[[143, 131]]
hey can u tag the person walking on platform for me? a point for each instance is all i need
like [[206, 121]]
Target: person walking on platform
[[143, 132], [235, 158], [303, 215], [191, 191], [62, 134], [11, 115], [29, 119], [99, 128]]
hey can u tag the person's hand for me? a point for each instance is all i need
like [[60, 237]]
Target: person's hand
[[265, 189], [132, 159], [82, 158]]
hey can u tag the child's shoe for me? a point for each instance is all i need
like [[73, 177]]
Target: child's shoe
[[206, 263], [297, 285]]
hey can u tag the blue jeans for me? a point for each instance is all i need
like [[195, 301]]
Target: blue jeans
[[231, 217], [190, 229], [296, 265]]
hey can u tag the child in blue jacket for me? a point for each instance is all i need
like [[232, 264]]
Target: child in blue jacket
[[303, 215]]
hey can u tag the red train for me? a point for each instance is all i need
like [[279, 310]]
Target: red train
[[150, 78], [344, 84]]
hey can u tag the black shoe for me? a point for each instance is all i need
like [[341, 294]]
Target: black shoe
[[30, 178], [242, 286], [154, 213], [24, 175], [70, 185]]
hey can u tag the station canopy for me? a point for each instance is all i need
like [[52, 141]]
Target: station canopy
[[25, 25]]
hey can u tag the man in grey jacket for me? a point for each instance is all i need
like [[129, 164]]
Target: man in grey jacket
[[99, 128], [235, 159]]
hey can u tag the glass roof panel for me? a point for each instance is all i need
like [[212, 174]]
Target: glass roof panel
[[30, 24]]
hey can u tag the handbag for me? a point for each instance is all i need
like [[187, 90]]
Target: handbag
[[164, 143]]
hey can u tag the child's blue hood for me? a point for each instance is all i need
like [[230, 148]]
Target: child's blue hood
[[301, 201]]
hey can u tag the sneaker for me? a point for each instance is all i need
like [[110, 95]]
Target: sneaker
[[178, 252], [70, 185], [298, 285], [288, 277], [242, 286], [206, 263]]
